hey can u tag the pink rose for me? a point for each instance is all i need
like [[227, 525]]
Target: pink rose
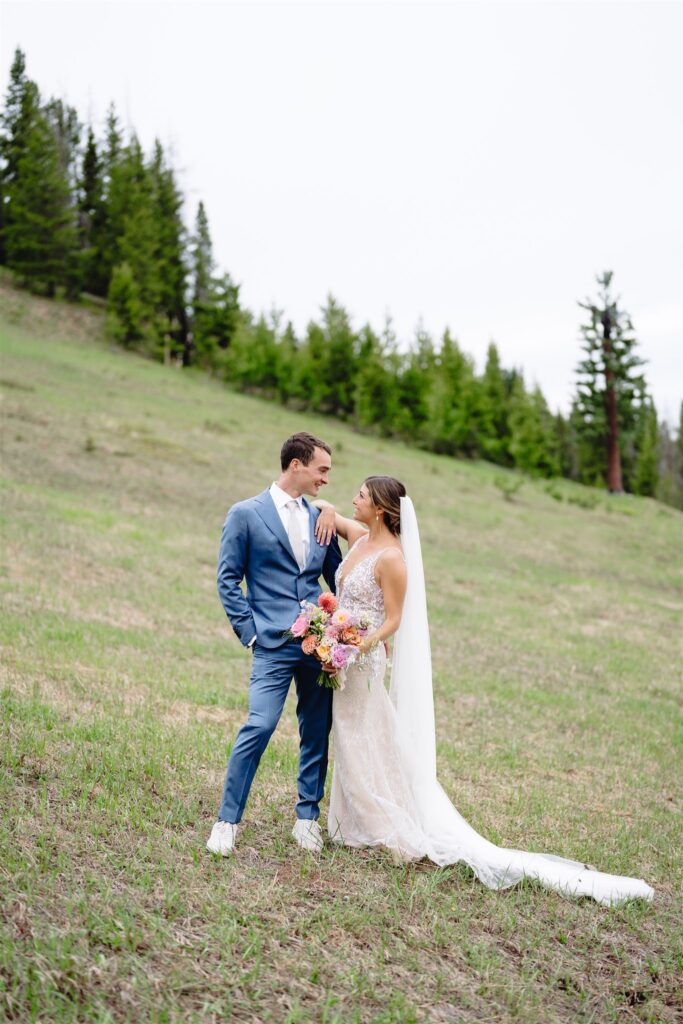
[[300, 626]]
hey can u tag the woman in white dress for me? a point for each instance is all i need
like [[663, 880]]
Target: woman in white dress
[[384, 787]]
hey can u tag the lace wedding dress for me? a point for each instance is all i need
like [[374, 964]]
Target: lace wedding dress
[[384, 789]]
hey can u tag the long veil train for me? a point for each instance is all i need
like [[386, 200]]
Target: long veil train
[[449, 837]]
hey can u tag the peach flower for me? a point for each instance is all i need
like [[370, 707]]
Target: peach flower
[[327, 601], [309, 645]]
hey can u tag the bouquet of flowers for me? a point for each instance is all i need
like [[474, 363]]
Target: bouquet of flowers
[[329, 633]]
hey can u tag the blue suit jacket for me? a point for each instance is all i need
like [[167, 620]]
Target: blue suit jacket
[[255, 547]]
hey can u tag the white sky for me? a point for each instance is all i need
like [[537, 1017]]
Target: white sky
[[473, 164]]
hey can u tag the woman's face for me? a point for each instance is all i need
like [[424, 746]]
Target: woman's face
[[364, 509]]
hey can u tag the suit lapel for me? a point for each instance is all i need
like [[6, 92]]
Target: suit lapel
[[270, 516]]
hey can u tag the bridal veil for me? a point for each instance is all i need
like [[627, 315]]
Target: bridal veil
[[449, 837]]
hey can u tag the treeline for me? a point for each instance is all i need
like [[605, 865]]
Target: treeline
[[86, 214]]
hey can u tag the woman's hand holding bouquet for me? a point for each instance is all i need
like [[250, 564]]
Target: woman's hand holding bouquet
[[330, 634]]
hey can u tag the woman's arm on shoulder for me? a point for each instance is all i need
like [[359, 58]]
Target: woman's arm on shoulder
[[330, 522]]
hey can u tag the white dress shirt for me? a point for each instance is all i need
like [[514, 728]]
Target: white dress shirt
[[281, 498]]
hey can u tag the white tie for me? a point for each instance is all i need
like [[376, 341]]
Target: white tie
[[294, 532]]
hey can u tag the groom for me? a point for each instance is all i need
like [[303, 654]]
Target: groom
[[270, 541]]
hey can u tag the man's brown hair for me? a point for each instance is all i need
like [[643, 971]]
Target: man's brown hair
[[301, 446]]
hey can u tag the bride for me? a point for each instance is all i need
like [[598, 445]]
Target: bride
[[384, 787]]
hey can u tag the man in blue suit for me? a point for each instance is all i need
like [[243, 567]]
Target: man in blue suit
[[270, 541]]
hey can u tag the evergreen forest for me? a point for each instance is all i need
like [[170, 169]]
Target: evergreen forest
[[88, 216]]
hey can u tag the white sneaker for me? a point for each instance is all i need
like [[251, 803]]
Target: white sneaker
[[222, 838], [308, 835]]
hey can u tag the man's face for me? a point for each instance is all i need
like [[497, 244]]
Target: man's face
[[311, 478]]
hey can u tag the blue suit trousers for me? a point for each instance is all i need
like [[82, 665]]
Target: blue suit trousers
[[272, 673]]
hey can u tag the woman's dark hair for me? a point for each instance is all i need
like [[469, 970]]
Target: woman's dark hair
[[301, 446], [386, 493]]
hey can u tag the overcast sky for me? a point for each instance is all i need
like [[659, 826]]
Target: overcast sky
[[469, 164]]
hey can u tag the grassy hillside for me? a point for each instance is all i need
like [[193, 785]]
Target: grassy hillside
[[558, 692]]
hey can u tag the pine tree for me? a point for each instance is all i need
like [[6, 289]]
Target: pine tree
[[252, 361], [21, 108], [215, 301], [167, 202], [414, 381], [40, 234], [311, 384], [608, 382], [202, 261], [457, 411], [289, 346], [532, 436], [646, 469], [114, 139], [138, 247], [202, 342], [22, 97], [341, 359], [92, 218], [375, 404], [126, 313], [131, 203], [226, 312], [65, 124], [120, 175], [495, 410], [66, 128]]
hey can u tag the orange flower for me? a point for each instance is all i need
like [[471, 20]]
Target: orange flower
[[350, 636], [327, 601], [309, 645]]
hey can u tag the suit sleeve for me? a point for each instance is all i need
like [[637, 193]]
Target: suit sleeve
[[232, 561], [332, 560]]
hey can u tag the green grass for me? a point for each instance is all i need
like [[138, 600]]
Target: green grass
[[555, 631]]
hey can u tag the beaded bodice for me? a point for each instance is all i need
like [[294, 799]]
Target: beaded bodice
[[358, 590]]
